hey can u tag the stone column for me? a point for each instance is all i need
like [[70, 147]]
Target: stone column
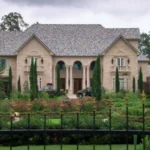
[[67, 77], [88, 76], [83, 81], [71, 81], [54, 77]]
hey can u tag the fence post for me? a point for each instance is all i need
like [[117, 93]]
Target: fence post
[[29, 109], [78, 111], [110, 109], [127, 121], [143, 109], [94, 110], [61, 124], [135, 141]]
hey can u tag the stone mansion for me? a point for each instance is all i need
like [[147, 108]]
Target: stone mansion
[[75, 48]]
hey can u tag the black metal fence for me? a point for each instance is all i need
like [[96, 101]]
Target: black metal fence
[[61, 131]]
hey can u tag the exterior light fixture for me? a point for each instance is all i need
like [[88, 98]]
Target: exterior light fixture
[[128, 60], [26, 60], [42, 60], [112, 61]]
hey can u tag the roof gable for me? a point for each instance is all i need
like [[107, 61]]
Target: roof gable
[[29, 39], [115, 41], [67, 40]]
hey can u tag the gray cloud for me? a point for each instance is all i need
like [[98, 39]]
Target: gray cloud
[[51, 2], [109, 13]]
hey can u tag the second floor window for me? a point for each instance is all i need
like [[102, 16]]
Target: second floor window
[[120, 61]]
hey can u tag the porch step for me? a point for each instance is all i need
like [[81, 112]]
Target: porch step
[[72, 96]]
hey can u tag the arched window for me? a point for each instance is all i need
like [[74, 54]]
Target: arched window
[[3, 64], [77, 65], [92, 65], [61, 65]]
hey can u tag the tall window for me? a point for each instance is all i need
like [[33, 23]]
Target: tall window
[[122, 83], [120, 61], [61, 65], [77, 65], [92, 65], [3, 64]]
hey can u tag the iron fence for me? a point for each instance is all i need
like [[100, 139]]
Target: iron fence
[[61, 131]]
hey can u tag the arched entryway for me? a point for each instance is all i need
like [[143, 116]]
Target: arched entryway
[[92, 65], [77, 76], [62, 75]]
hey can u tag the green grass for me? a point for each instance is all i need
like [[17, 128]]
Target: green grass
[[72, 147]]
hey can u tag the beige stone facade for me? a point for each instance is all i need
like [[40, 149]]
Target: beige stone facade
[[76, 71], [82, 78]]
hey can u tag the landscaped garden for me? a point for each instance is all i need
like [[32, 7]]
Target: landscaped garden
[[53, 109]]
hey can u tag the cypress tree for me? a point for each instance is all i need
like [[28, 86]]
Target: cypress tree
[[94, 81], [19, 84], [133, 85], [98, 79], [58, 79], [35, 79], [32, 80], [140, 80], [117, 82], [10, 82]]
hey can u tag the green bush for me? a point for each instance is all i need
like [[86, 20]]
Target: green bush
[[43, 95]]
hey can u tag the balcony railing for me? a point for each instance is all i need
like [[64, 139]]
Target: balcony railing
[[39, 68], [121, 68]]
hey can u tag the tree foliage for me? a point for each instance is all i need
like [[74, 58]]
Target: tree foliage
[[96, 80], [144, 45], [10, 81], [33, 80], [12, 22], [117, 82], [58, 79], [133, 85], [19, 84], [140, 81]]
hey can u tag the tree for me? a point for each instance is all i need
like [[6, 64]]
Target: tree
[[32, 80], [35, 79], [144, 45], [12, 22], [117, 82], [96, 80], [140, 81], [133, 85], [19, 85], [10, 82], [58, 79]]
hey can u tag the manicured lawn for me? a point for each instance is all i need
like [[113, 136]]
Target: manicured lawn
[[72, 147]]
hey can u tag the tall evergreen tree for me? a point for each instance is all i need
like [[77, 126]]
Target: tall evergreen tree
[[35, 79], [98, 80], [19, 84], [32, 80], [94, 81], [117, 82], [58, 79], [10, 82], [140, 81], [133, 85]]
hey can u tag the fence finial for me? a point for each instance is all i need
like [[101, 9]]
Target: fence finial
[[143, 96], [78, 103]]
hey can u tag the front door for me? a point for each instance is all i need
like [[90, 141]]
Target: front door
[[77, 85], [62, 83]]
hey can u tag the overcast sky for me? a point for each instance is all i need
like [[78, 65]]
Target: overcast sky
[[109, 13]]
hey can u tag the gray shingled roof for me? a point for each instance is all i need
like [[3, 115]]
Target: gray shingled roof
[[142, 57], [66, 40]]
